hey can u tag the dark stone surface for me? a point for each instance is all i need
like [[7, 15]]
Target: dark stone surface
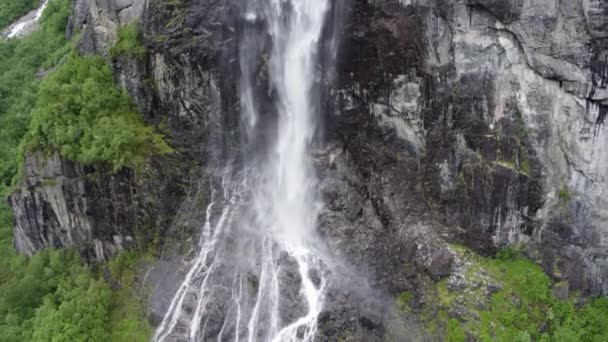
[[443, 121]]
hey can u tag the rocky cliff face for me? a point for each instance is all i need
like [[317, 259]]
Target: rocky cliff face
[[471, 121], [496, 108], [64, 204]]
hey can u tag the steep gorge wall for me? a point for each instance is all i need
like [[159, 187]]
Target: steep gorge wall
[[492, 113], [154, 203], [479, 122]]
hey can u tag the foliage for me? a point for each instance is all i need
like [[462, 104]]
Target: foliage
[[22, 284], [564, 194], [20, 60], [129, 42], [455, 332], [404, 301], [53, 296], [127, 316], [508, 253], [11, 10], [82, 114], [519, 308], [41, 297], [522, 308]]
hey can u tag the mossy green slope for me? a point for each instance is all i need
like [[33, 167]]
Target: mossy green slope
[[507, 298]]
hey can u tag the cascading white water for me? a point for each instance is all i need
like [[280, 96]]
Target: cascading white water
[[262, 242], [32, 18]]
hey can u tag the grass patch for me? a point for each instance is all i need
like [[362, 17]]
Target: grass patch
[[509, 298], [129, 42], [508, 253], [128, 305], [455, 333], [404, 301], [564, 194]]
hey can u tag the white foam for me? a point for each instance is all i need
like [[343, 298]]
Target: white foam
[[280, 215], [20, 27]]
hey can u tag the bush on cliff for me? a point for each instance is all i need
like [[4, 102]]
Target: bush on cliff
[[53, 296], [81, 113], [129, 42], [20, 60]]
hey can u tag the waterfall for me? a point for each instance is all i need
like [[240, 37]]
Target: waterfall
[[27, 21], [260, 273]]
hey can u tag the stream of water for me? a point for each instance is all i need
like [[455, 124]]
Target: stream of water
[[27, 21], [259, 274]]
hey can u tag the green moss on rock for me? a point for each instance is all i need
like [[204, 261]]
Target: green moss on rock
[[129, 42], [507, 298]]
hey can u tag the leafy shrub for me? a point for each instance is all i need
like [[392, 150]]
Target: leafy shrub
[[564, 194], [81, 113], [129, 42], [11, 10], [508, 253], [44, 294], [20, 60], [52, 296], [127, 316], [455, 331], [523, 308], [404, 301]]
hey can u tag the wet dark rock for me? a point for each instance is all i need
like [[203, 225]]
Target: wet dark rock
[[447, 121], [64, 204], [162, 279], [301, 331], [441, 262], [61, 205], [292, 304], [315, 277], [214, 321], [506, 11]]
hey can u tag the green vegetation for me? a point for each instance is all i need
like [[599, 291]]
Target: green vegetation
[[404, 301], [11, 10], [564, 194], [81, 113], [508, 253], [509, 298], [54, 297], [523, 160], [41, 296], [511, 150], [20, 60], [520, 161], [455, 333], [127, 318], [129, 42]]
